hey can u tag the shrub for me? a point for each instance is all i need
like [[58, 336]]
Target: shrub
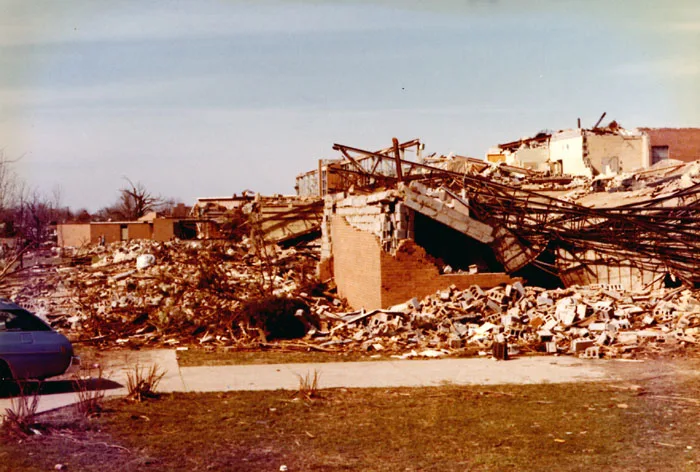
[[90, 394], [142, 383], [308, 385], [20, 418], [278, 317]]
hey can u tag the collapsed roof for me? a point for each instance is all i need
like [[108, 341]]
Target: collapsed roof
[[635, 230]]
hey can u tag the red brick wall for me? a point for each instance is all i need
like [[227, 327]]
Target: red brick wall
[[140, 231], [356, 265], [683, 143], [370, 278], [413, 273], [111, 232], [163, 229]]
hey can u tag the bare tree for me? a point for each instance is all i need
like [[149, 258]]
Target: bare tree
[[35, 215], [9, 185], [135, 201], [82, 215]]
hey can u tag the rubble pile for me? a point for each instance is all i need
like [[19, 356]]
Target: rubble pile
[[586, 321], [185, 292], [167, 293]]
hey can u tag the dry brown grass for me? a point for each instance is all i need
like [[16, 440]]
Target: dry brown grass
[[87, 385], [649, 425], [20, 419], [308, 385], [142, 383]]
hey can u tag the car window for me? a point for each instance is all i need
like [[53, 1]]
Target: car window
[[7, 321], [21, 320]]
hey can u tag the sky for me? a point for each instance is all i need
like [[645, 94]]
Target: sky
[[213, 97]]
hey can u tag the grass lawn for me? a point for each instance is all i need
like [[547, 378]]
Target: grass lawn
[[197, 357], [653, 425]]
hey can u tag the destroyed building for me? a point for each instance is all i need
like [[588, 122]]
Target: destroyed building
[[436, 256], [584, 152], [336, 175], [415, 229], [601, 150], [281, 219]]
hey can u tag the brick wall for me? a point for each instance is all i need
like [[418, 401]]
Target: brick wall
[[683, 143], [163, 229], [356, 264], [73, 235], [111, 232], [140, 231], [411, 272]]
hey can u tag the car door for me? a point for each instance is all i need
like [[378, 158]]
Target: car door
[[16, 346], [30, 347]]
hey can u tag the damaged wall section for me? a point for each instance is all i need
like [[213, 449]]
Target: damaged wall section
[[375, 264]]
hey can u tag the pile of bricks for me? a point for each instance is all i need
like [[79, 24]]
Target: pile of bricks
[[590, 322], [190, 292]]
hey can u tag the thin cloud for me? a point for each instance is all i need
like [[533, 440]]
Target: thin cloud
[[673, 68], [683, 26]]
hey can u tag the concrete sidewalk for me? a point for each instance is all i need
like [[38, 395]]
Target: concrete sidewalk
[[390, 373], [399, 373], [115, 369]]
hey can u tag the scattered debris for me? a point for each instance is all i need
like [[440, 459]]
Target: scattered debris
[[617, 241]]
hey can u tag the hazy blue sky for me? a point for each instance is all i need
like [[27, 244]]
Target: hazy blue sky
[[208, 98]]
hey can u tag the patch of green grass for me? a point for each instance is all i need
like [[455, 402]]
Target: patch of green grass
[[199, 357], [562, 427]]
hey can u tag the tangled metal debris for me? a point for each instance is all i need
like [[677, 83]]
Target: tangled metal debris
[[656, 233]]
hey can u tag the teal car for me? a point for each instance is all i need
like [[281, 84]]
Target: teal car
[[29, 348]]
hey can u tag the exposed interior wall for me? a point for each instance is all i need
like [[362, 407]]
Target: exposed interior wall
[[567, 147], [356, 264], [618, 152], [683, 143], [73, 235], [532, 158], [379, 214]]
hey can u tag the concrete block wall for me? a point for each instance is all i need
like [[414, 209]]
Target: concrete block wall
[[374, 214]]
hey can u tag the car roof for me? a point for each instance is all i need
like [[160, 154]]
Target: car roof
[[8, 305]]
